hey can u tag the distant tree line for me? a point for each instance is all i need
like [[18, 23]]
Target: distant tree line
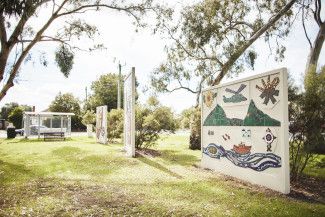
[[13, 112]]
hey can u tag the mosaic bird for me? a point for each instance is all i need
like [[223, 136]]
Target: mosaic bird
[[237, 97]]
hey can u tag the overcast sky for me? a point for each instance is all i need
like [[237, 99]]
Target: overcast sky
[[38, 85]]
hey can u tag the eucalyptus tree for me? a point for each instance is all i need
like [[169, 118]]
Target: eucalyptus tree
[[312, 9], [18, 36], [214, 38]]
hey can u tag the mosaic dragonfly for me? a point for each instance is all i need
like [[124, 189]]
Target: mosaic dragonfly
[[237, 96], [268, 90]]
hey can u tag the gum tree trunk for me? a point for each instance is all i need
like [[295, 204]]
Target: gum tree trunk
[[315, 50]]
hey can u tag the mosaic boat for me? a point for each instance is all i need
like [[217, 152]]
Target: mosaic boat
[[242, 149]]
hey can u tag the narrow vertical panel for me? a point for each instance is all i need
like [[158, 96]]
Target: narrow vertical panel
[[129, 114], [101, 124]]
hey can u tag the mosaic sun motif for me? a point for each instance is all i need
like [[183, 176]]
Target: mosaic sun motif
[[269, 90]]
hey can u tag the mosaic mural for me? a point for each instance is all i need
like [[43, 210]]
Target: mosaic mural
[[268, 90], [246, 133], [269, 139], [237, 96], [241, 156], [254, 117], [249, 120], [208, 98]]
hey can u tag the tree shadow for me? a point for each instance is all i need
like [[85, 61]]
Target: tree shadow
[[175, 157], [11, 171], [308, 189], [35, 140], [79, 161], [158, 166]]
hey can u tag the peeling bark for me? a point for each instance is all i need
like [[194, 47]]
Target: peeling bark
[[315, 50]]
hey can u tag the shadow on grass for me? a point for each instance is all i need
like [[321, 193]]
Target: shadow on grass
[[158, 166], [34, 140], [175, 157], [81, 162], [13, 172], [308, 189]]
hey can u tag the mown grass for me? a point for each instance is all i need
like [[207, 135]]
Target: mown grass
[[82, 178]]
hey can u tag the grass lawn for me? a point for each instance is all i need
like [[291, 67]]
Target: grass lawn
[[82, 178], [317, 168]]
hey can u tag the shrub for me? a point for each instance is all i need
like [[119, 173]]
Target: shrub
[[16, 117], [186, 117], [195, 125], [68, 103], [151, 120], [115, 124], [307, 119], [88, 118]]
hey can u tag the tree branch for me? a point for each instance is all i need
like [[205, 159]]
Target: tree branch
[[304, 26], [250, 41], [318, 7], [97, 6], [20, 26], [3, 33], [14, 70], [189, 53], [243, 23], [179, 88]]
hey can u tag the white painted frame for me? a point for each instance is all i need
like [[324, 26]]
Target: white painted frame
[[129, 96], [282, 178]]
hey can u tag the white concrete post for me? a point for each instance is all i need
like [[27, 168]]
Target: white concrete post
[[129, 114], [69, 125], [39, 126]]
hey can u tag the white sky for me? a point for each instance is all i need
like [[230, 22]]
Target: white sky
[[38, 85]]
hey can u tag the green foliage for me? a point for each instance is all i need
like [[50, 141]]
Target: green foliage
[[195, 123], [64, 58], [20, 34], [307, 121], [7, 108], [186, 116], [13, 112], [65, 103], [105, 92], [153, 101], [17, 7], [16, 117], [213, 38], [88, 118], [151, 120], [68, 103], [115, 124]]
